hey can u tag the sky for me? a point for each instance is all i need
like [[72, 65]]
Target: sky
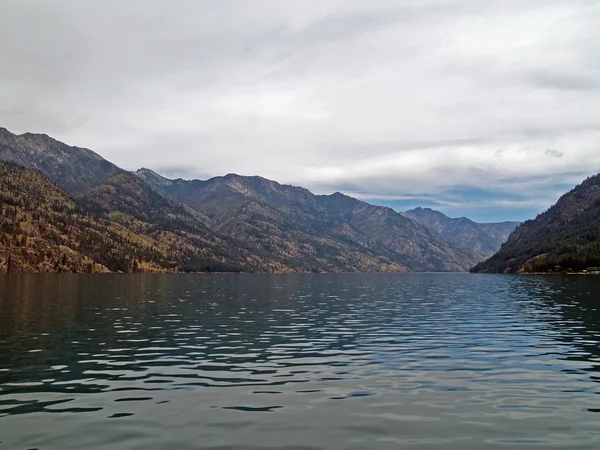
[[486, 109]]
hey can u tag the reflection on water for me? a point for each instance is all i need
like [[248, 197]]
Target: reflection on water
[[299, 361]]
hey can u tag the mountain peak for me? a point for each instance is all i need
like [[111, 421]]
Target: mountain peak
[[40, 135], [44, 139], [254, 178], [341, 199], [74, 169], [152, 177], [339, 194], [6, 135]]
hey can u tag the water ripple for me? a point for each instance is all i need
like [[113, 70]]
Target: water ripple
[[311, 361]]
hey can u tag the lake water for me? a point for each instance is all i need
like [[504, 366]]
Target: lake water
[[424, 361]]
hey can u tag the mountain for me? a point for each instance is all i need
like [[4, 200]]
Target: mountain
[[296, 228], [34, 223], [566, 236], [99, 187], [120, 221], [44, 229], [72, 168], [484, 239]]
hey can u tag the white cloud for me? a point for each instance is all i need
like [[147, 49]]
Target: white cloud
[[384, 99]]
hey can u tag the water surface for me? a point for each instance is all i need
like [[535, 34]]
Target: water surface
[[425, 361]]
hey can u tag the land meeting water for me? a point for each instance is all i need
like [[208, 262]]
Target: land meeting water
[[449, 361]]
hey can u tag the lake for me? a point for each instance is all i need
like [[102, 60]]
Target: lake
[[424, 361]]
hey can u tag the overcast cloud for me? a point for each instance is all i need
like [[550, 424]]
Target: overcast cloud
[[489, 109]]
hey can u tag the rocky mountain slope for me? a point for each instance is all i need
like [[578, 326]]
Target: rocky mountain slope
[[566, 236], [72, 168], [288, 223], [229, 223], [484, 239], [44, 229]]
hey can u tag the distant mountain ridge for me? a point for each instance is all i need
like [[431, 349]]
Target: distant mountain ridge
[[483, 238], [301, 223], [230, 223], [566, 236]]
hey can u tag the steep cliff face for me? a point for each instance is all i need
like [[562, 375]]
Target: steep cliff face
[[567, 236], [484, 239]]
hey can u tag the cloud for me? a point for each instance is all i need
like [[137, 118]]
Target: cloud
[[384, 99], [554, 153], [568, 82]]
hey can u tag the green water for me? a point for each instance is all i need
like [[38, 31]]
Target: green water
[[424, 361]]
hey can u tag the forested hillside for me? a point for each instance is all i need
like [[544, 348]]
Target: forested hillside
[[566, 237], [43, 229]]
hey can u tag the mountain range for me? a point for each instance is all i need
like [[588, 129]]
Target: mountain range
[[484, 239], [564, 238], [104, 218], [292, 225]]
